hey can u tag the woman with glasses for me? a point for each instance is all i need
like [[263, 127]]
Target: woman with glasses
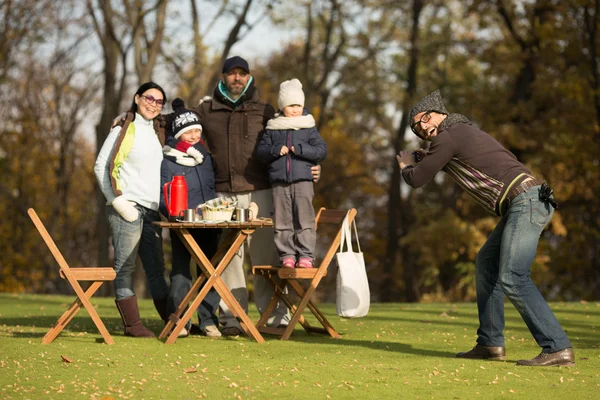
[[128, 172]]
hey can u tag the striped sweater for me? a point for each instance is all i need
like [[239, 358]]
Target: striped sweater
[[474, 159]]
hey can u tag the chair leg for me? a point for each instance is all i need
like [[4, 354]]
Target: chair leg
[[291, 306], [94, 315], [272, 303], [73, 309], [62, 321], [328, 328], [280, 295]]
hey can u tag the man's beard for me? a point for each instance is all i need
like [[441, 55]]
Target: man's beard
[[237, 90]]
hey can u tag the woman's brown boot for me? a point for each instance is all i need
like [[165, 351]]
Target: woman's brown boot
[[130, 314]]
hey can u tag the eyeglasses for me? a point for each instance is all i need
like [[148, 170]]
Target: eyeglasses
[[425, 118], [150, 100]]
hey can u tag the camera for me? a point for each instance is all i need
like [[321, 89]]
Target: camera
[[416, 156]]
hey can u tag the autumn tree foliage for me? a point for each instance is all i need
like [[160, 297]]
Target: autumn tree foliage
[[527, 72]]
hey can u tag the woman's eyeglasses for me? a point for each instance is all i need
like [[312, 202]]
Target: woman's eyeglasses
[[424, 118], [151, 100]]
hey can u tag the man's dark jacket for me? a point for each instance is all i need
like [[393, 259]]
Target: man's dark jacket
[[232, 133]]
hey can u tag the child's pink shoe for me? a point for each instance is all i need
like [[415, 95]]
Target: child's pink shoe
[[288, 262], [305, 262]]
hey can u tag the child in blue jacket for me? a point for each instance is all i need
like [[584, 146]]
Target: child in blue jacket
[[185, 154], [292, 145]]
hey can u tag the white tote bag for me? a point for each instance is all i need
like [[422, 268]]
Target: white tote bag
[[353, 295]]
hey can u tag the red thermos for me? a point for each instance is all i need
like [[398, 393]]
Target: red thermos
[[176, 196]]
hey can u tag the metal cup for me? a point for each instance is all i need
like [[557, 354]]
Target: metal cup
[[188, 215], [243, 215]]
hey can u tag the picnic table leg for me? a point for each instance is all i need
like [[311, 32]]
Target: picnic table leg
[[220, 286], [190, 312], [174, 318]]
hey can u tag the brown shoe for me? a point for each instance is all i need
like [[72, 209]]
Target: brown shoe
[[562, 358], [485, 353], [232, 331]]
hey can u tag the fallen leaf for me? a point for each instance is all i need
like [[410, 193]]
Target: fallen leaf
[[190, 370], [66, 359]]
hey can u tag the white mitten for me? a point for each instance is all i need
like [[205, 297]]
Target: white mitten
[[205, 98], [196, 154], [254, 208], [126, 209]]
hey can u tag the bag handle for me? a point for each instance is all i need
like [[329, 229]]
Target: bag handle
[[347, 235], [356, 235]]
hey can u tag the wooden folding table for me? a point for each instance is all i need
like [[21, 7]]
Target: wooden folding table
[[237, 233]]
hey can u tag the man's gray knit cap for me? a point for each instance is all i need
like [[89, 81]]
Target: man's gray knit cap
[[431, 102]]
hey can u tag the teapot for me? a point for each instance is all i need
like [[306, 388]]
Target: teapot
[[176, 196]]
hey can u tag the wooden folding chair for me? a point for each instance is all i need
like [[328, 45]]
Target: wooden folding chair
[[75, 275], [291, 277]]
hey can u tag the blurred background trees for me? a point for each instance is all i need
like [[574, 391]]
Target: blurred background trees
[[525, 71]]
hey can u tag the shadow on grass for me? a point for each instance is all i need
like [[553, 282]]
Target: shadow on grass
[[300, 336], [20, 327], [514, 321]]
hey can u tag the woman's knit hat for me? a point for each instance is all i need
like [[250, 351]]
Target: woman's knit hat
[[183, 119], [431, 102], [290, 92]]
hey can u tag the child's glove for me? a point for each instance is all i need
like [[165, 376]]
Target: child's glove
[[190, 151], [126, 209]]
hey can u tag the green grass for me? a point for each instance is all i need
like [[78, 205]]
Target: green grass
[[399, 351]]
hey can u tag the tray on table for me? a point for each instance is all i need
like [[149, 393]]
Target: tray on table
[[258, 222]]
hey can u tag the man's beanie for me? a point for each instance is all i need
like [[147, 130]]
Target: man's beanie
[[290, 92], [235, 62], [183, 119], [431, 102]]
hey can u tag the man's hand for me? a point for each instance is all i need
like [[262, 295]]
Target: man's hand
[[421, 154], [120, 118], [405, 158], [316, 173], [284, 151]]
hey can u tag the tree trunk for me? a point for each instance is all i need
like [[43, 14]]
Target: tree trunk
[[110, 109], [232, 38], [397, 211]]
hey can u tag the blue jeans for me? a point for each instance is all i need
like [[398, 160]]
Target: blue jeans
[[131, 239], [181, 277], [503, 268]]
